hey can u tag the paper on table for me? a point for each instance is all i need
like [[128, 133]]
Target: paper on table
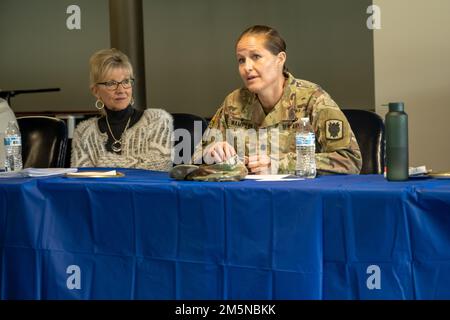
[[37, 172], [46, 172], [413, 172], [272, 177]]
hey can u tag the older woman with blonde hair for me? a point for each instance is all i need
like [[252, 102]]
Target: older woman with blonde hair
[[122, 136]]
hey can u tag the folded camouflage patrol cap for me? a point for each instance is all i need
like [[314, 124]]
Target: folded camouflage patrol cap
[[230, 170]]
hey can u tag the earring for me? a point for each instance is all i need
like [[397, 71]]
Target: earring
[[132, 101], [99, 102]]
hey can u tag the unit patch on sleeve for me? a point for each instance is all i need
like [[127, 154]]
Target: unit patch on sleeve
[[334, 129]]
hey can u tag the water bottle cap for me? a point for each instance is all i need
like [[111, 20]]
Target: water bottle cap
[[396, 106]]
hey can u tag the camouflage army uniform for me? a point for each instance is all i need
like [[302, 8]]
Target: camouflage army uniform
[[337, 150]]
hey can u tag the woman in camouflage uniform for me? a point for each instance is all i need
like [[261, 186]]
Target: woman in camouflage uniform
[[274, 100]]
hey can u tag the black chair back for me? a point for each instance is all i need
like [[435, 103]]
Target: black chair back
[[44, 141], [187, 121], [368, 128]]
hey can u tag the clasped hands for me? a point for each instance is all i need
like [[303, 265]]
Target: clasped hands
[[221, 151]]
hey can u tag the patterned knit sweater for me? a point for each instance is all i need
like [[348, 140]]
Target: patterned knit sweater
[[146, 145]]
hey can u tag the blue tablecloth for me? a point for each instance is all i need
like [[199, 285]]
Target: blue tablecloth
[[145, 236]]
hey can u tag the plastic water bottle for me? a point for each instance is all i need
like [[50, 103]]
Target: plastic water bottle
[[305, 144], [13, 148], [396, 124]]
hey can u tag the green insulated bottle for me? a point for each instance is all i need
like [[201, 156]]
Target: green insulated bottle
[[396, 124]]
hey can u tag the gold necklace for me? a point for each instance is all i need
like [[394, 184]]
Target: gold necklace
[[116, 146]]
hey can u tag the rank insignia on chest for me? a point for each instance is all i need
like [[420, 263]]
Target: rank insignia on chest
[[334, 129]]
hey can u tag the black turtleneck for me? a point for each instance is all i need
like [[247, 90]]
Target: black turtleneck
[[118, 121]]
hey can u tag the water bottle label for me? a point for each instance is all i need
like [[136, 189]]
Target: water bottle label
[[305, 139], [13, 140]]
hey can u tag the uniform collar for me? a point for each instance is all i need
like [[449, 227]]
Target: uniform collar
[[284, 110]]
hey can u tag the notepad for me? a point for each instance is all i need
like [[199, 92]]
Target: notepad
[[95, 174]]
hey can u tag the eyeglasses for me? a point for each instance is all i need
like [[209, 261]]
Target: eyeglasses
[[114, 85]]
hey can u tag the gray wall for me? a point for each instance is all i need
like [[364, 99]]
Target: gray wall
[[412, 64], [38, 51], [191, 64], [189, 49]]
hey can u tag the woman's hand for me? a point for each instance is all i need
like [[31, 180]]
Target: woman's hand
[[259, 164], [218, 152]]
